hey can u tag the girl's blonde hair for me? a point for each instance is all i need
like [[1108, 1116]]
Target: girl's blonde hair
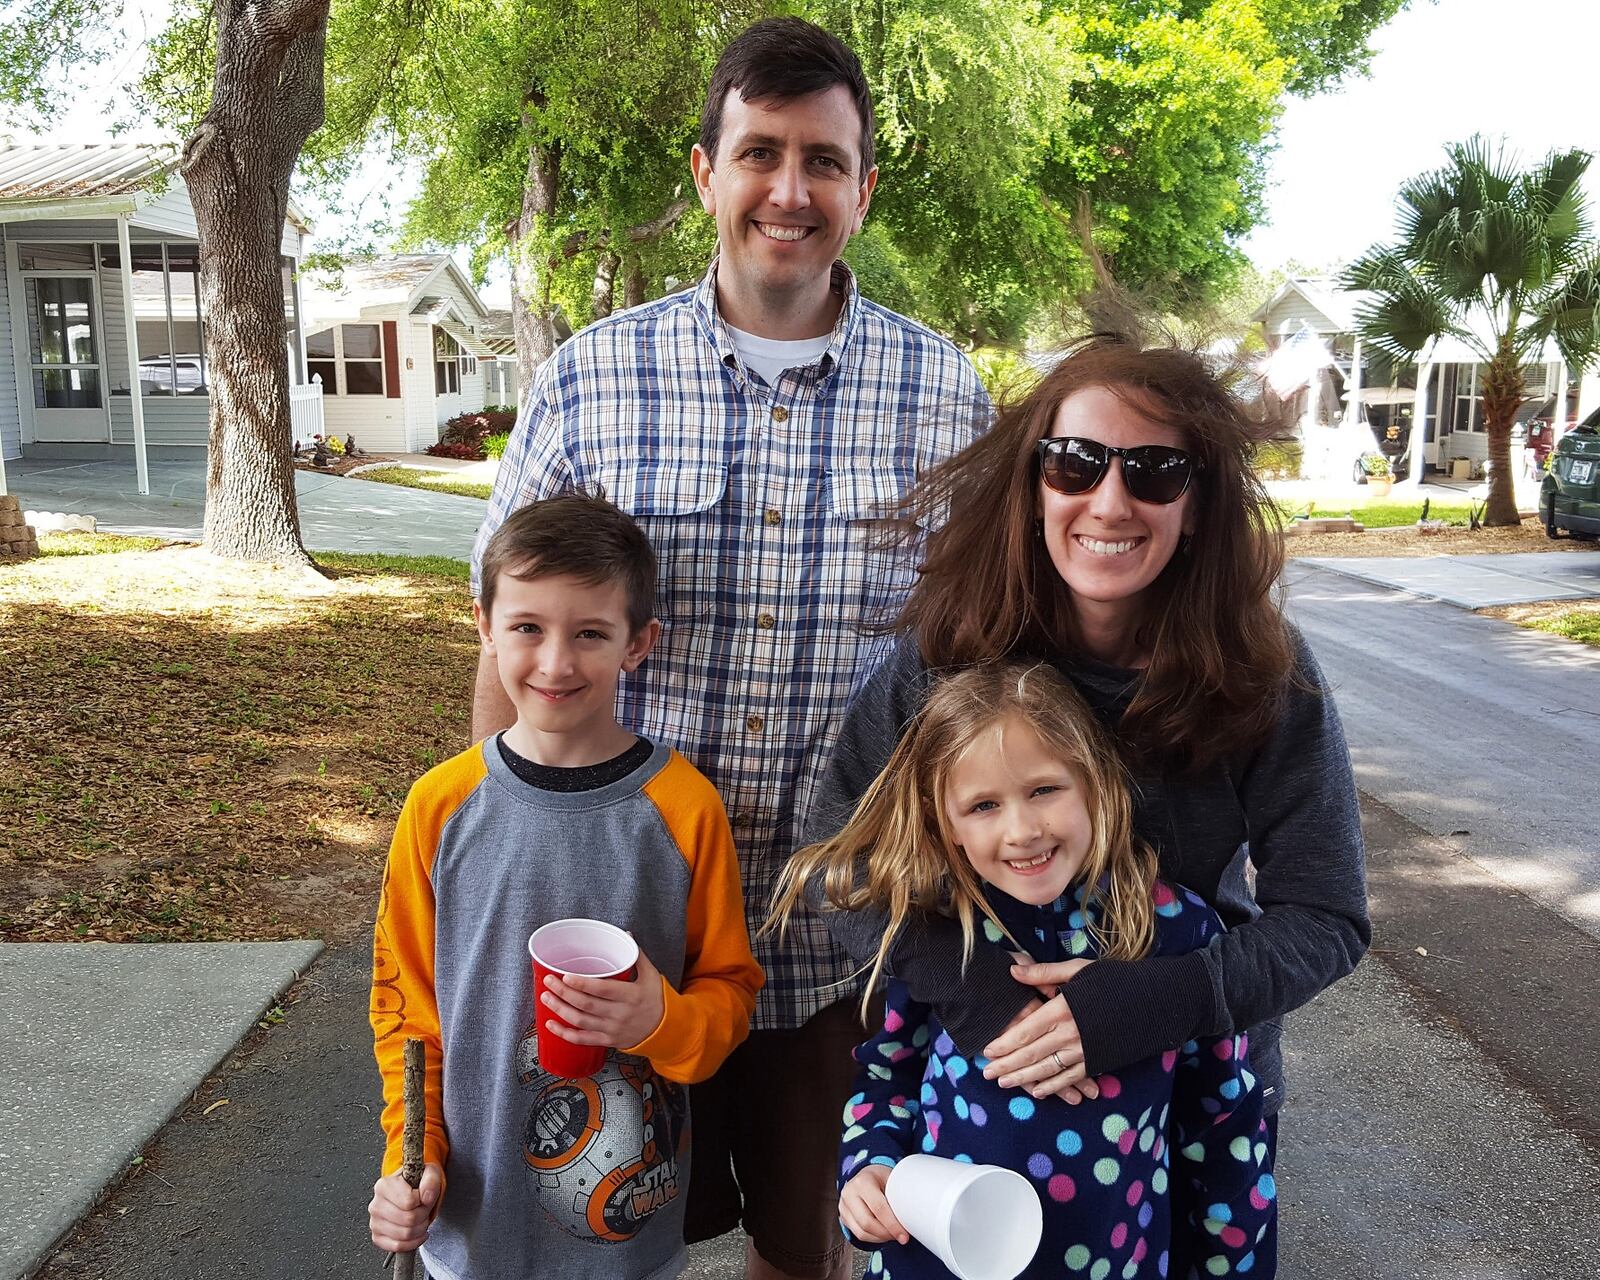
[[902, 835]]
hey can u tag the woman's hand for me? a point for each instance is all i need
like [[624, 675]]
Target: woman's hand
[[1041, 1051], [605, 1011], [864, 1208]]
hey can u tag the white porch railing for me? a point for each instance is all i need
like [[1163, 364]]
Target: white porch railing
[[305, 410]]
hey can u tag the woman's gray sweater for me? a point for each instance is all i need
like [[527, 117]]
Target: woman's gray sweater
[[1287, 809]]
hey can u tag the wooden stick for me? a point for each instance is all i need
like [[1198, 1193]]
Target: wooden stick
[[406, 1266]]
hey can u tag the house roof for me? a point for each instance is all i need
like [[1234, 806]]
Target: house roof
[[59, 171], [47, 173], [363, 286], [1335, 305], [1338, 308]]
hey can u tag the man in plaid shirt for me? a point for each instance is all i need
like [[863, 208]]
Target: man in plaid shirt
[[762, 428]]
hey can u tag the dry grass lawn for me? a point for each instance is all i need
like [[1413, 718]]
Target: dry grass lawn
[[199, 749]]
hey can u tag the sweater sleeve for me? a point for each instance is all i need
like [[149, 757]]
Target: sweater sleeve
[[403, 1005], [1227, 1195], [1298, 796], [704, 1022], [880, 1118]]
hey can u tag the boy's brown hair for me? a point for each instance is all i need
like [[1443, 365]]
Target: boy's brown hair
[[576, 534]]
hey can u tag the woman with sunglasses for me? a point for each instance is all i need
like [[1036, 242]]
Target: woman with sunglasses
[[1110, 523]]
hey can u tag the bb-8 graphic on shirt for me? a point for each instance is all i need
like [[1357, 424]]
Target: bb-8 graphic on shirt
[[602, 1149]]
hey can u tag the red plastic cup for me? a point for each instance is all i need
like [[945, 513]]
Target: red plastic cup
[[575, 948]]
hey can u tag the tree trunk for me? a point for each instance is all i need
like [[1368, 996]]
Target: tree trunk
[[633, 283], [531, 310], [1503, 388], [605, 283], [267, 99]]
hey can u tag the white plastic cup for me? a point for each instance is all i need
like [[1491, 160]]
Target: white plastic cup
[[983, 1222]]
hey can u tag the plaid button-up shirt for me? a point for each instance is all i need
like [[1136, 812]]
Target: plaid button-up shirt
[[766, 509]]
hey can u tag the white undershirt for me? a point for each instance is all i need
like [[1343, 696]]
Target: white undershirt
[[771, 356]]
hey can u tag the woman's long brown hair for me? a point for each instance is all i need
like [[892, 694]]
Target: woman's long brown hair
[[1220, 654], [901, 836]]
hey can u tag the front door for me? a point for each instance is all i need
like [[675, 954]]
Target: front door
[[65, 355]]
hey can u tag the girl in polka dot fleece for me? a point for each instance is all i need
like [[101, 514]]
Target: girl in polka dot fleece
[[1004, 806]]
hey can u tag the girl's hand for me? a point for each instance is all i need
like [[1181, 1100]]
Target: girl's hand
[[1041, 1049], [864, 1208], [606, 1011]]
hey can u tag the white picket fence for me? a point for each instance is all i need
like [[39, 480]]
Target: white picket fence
[[305, 410]]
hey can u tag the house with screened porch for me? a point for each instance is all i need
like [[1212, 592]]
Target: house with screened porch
[[102, 327], [401, 344]]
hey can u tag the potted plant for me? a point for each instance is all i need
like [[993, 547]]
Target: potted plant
[[1380, 479]]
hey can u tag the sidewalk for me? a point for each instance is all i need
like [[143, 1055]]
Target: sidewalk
[[336, 514], [1476, 581], [99, 1045]]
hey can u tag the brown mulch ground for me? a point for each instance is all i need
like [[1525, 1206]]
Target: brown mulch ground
[[1455, 540], [206, 750]]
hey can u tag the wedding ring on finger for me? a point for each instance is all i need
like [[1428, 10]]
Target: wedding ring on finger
[[1060, 1065]]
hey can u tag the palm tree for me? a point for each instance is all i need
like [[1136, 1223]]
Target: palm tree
[[1499, 257]]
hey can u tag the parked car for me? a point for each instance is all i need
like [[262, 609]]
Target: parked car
[[1569, 498], [156, 375]]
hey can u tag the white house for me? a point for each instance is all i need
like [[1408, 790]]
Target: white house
[[402, 344], [102, 351], [1442, 391]]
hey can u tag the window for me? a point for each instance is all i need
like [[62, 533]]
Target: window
[[61, 340], [363, 359], [320, 362], [183, 308], [358, 349], [1466, 415], [446, 364]]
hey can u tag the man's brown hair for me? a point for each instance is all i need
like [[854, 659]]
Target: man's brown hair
[[584, 537], [786, 58]]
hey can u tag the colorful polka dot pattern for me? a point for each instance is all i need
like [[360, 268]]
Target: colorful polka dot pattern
[[1180, 1129]]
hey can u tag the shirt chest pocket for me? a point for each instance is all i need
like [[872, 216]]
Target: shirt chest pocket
[[882, 546], [679, 509]]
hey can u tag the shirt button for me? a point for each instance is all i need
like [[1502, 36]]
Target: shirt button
[[779, 413], [755, 724], [766, 621], [773, 516]]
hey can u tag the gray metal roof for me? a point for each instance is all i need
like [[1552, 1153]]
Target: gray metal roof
[[62, 171]]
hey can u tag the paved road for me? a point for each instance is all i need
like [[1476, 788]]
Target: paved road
[[1442, 1122], [1478, 731]]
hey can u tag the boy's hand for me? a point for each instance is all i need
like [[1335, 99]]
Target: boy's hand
[[864, 1208], [605, 1011], [399, 1214]]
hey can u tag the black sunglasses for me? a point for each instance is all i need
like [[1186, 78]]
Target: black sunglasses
[[1153, 473]]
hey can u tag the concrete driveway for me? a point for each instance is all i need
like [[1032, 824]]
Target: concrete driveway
[[336, 514]]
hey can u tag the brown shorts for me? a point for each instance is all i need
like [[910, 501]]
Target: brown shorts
[[765, 1142]]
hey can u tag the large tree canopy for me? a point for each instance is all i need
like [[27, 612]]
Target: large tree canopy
[[557, 134]]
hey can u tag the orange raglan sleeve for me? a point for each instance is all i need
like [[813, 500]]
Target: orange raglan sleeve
[[704, 1022], [403, 1003]]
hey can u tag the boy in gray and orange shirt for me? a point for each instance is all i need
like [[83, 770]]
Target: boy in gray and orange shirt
[[566, 814]]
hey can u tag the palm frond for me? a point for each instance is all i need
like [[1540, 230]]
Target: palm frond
[[1571, 313]]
